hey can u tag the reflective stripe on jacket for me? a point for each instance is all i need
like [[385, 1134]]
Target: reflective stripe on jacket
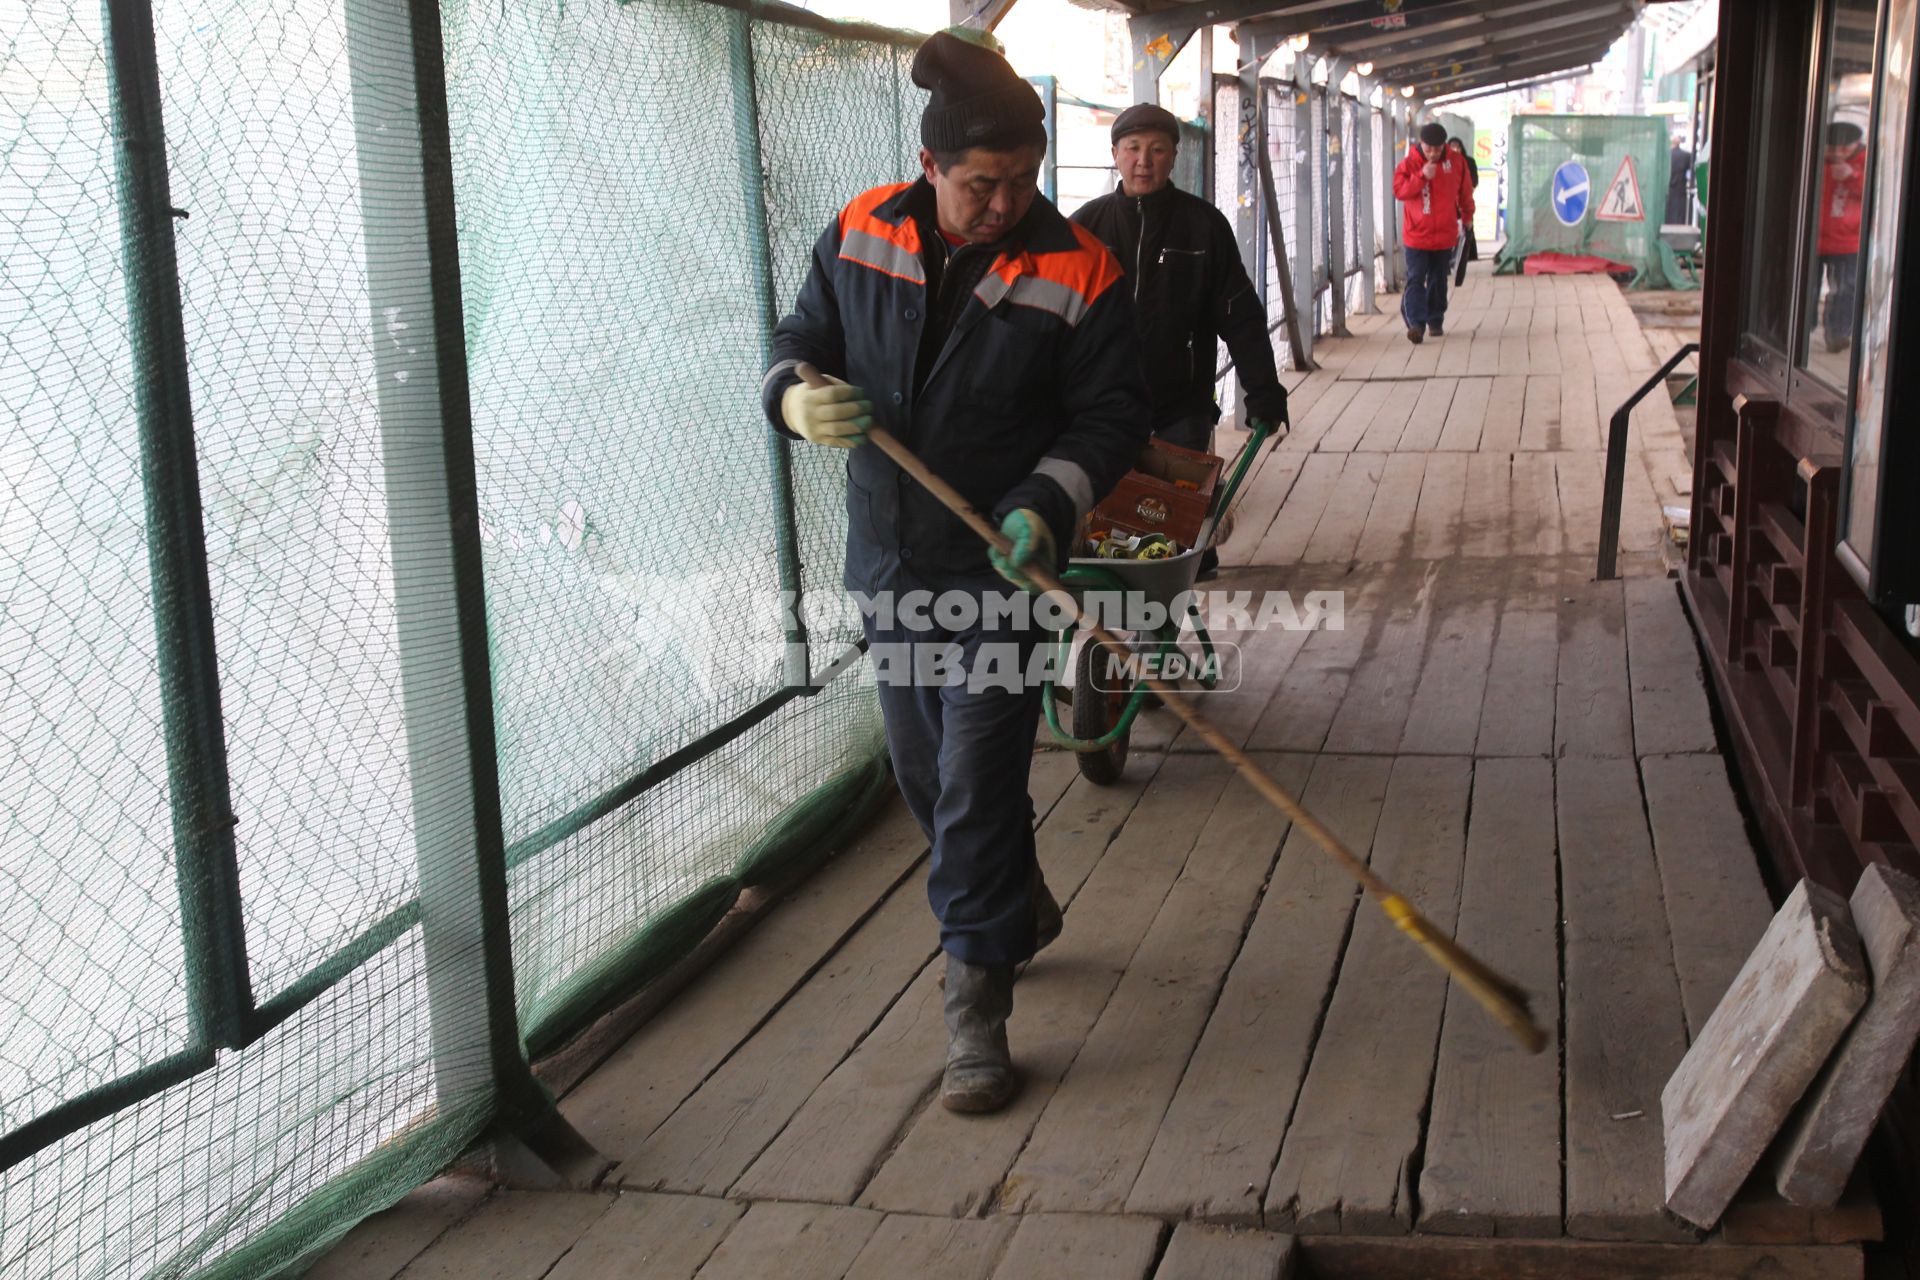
[[1035, 398]]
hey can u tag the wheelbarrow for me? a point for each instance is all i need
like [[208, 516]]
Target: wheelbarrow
[[1103, 706]]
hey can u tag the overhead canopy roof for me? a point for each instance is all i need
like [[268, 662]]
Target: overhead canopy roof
[[1437, 47]]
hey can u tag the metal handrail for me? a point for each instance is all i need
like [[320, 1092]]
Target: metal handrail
[[1617, 465]]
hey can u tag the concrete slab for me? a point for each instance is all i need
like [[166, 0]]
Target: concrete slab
[[1818, 1151], [1764, 1044]]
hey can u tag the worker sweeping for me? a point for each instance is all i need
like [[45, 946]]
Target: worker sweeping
[[965, 315]]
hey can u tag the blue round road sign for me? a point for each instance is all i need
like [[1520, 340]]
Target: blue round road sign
[[1571, 189]]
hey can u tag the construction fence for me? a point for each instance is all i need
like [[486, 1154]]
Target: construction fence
[[408, 627]]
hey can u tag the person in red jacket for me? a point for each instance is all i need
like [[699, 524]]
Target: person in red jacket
[[1435, 197], [1842, 188]]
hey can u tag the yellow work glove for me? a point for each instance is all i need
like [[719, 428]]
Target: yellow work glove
[[1032, 543], [836, 415]]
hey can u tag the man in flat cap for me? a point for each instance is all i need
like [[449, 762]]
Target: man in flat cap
[[966, 316], [1189, 287], [1436, 197]]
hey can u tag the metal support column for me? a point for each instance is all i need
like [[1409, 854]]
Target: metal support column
[[1365, 179], [397, 69], [1155, 45], [1306, 294], [1249, 212], [1333, 170], [1207, 113], [1395, 137], [206, 871]]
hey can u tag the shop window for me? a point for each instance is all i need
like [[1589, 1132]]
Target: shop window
[[1892, 144], [1830, 309], [1779, 157]]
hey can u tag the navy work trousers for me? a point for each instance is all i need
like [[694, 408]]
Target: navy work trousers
[[961, 757], [1424, 300]]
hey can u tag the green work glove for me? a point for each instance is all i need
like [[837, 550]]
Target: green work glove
[[1032, 543], [836, 415]]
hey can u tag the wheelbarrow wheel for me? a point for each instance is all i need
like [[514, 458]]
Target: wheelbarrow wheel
[[1095, 711]]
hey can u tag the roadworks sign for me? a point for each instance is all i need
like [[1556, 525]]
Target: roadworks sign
[[1622, 202]]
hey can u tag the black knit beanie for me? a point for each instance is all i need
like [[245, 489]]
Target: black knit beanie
[[978, 100], [1142, 116], [1433, 134]]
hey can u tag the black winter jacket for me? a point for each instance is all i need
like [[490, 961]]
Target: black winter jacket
[[1189, 289], [1034, 399]]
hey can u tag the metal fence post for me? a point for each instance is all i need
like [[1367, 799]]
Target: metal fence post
[[1306, 294], [1395, 147], [397, 70], [1365, 183], [1333, 162], [206, 870]]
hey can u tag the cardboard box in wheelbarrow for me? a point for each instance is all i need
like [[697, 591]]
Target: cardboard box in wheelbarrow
[[1169, 491]]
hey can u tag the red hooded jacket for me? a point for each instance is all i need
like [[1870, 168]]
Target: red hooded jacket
[[1841, 192], [1432, 211]]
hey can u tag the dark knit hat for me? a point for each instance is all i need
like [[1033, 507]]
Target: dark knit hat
[[1433, 134], [1145, 115], [978, 99]]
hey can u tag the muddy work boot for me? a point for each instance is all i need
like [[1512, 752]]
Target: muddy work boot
[[1436, 330], [979, 1074], [1047, 920], [1415, 335]]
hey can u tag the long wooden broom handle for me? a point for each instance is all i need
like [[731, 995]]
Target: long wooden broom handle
[[1505, 1001]]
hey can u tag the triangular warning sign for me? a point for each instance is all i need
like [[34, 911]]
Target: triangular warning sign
[[1622, 203]]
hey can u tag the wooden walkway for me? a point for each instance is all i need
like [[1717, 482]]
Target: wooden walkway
[[1233, 1068]]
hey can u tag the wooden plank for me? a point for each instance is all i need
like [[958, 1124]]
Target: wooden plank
[[1486, 511], [1669, 693], [1716, 904], [1263, 656], [1466, 415], [1260, 501], [1388, 533], [793, 1242], [1445, 713], [1593, 713], [1579, 410], [1089, 1145], [1578, 477], [1536, 504], [1506, 408], [514, 1235], [1344, 435], [1384, 432], [1346, 1161], [936, 1248], [1436, 521], [1296, 717], [1429, 415], [660, 1237], [1359, 1259], [1317, 421], [1779, 1022], [1373, 714], [1625, 1031], [1216, 1144], [1423, 361], [1543, 351], [1492, 1163], [1338, 534], [1483, 357], [634, 1091], [1048, 1246], [1516, 718], [1540, 414], [379, 1247], [1454, 354], [950, 1164], [1202, 1251], [846, 1127], [1286, 539]]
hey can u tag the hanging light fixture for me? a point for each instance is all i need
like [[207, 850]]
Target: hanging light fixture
[[1406, 91], [1364, 68], [1298, 41]]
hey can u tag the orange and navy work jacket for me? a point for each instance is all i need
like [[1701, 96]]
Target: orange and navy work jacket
[[1036, 398]]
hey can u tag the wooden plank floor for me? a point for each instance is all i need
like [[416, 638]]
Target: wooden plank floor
[[1233, 1065]]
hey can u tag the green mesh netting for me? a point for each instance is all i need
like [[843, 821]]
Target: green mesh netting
[[1590, 185], [638, 187]]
